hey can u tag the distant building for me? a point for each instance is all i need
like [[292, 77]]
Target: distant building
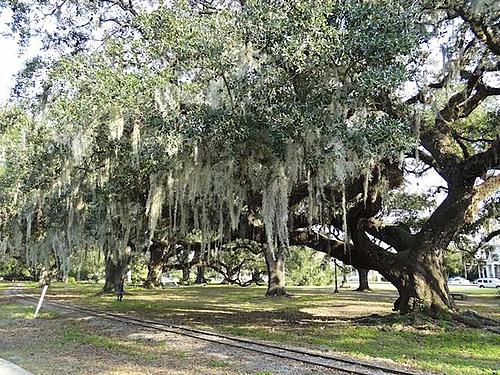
[[491, 267]]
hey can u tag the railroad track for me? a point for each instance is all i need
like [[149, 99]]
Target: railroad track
[[330, 362]]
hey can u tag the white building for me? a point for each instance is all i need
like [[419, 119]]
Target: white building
[[491, 267]]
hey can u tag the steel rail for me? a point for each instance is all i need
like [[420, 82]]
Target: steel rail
[[241, 343]]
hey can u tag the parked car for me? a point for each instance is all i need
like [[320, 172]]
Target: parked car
[[488, 282], [458, 280]]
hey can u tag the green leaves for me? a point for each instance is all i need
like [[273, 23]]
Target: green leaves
[[222, 105]]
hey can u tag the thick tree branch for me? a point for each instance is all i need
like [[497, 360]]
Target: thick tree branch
[[488, 33], [478, 164], [490, 236], [490, 186], [398, 236]]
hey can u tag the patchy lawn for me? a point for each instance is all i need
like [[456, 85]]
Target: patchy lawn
[[317, 318], [65, 343]]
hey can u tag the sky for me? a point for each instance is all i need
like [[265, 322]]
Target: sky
[[10, 61]]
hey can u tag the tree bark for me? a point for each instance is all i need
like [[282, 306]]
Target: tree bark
[[158, 259], [46, 276], [200, 275], [417, 273], [275, 263], [417, 268], [363, 280], [186, 271], [422, 285], [155, 271], [116, 267], [423, 279]]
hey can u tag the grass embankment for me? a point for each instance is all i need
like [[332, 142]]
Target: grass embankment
[[319, 319]]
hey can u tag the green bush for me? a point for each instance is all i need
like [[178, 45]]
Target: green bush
[[308, 267], [14, 269]]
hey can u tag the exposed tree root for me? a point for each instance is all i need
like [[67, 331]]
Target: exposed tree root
[[280, 294], [473, 319], [420, 319]]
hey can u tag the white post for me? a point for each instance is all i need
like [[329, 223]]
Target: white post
[[45, 287]]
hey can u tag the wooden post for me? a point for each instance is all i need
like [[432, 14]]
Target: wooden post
[[44, 290]]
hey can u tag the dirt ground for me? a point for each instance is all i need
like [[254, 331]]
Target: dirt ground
[[60, 343]]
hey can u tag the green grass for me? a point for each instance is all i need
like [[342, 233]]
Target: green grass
[[314, 317], [69, 335], [449, 351], [217, 363], [74, 334], [15, 311]]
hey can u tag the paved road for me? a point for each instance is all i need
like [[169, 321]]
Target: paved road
[[7, 368]]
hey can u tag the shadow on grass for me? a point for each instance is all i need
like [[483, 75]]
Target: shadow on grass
[[343, 322]]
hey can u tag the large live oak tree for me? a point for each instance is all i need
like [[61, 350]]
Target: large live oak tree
[[212, 105], [462, 148]]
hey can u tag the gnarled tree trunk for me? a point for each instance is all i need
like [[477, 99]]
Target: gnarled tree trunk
[[422, 285], [417, 270], [155, 271], [186, 272], [275, 262], [116, 267], [158, 259]]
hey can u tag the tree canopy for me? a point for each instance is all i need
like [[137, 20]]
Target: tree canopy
[[278, 122]]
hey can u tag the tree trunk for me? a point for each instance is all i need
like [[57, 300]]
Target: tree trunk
[[420, 281], [422, 286], [45, 277], [275, 262], [155, 271], [363, 280], [116, 268], [200, 275], [423, 283], [344, 270], [186, 271], [158, 258]]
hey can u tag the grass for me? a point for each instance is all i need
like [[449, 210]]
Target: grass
[[12, 311], [41, 344], [217, 363], [314, 317], [74, 334], [449, 351]]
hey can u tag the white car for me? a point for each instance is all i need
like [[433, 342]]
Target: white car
[[489, 282], [458, 280]]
